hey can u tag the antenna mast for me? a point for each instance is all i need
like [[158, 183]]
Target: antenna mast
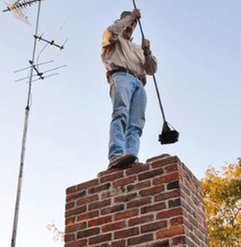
[[24, 138], [17, 9]]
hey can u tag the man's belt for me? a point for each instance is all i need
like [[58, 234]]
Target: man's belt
[[122, 69]]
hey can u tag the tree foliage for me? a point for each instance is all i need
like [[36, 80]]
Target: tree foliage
[[222, 198]]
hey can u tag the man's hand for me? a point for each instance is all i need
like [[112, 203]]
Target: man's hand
[[136, 14], [146, 46]]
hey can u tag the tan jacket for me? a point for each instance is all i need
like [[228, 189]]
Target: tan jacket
[[120, 52]]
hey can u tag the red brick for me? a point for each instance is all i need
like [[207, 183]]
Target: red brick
[[87, 200], [172, 168], [186, 206], [193, 221], [164, 243], [71, 190], [69, 220], [126, 233], [167, 195], [198, 234], [166, 161], [99, 204], [153, 208], [75, 196], [151, 174], [113, 226], [113, 209], [170, 213], [173, 185], [88, 232], [185, 189], [76, 211], [87, 185], [196, 201], [98, 189], [112, 177], [107, 172], [126, 214], [100, 238], [136, 170], [176, 221], [160, 157], [166, 178], [195, 239], [125, 198], [70, 205], [177, 202], [139, 240], [138, 203], [69, 237], [152, 190], [187, 224], [203, 228], [140, 220], [173, 231], [111, 193], [202, 214], [80, 243], [182, 240], [119, 243], [99, 221], [139, 186], [189, 173], [124, 181], [157, 225], [75, 227], [88, 216]]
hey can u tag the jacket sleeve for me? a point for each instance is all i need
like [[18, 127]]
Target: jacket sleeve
[[111, 34], [150, 64]]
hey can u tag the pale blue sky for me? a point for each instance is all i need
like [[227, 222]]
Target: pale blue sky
[[197, 44]]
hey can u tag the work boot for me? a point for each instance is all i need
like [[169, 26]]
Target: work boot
[[122, 160]]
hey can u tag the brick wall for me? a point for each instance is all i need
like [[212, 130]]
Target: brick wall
[[157, 204]]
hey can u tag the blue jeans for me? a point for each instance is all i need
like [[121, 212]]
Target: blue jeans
[[128, 118]]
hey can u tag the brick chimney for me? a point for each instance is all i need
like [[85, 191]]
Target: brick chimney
[[156, 204]]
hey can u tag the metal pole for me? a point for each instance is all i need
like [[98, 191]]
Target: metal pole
[[154, 78], [168, 136], [24, 138]]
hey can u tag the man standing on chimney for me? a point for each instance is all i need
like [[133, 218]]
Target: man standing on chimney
[[127, 65]]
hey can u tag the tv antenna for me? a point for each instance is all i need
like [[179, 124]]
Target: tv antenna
[[17, 8], [39, 75], [49, 43]]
